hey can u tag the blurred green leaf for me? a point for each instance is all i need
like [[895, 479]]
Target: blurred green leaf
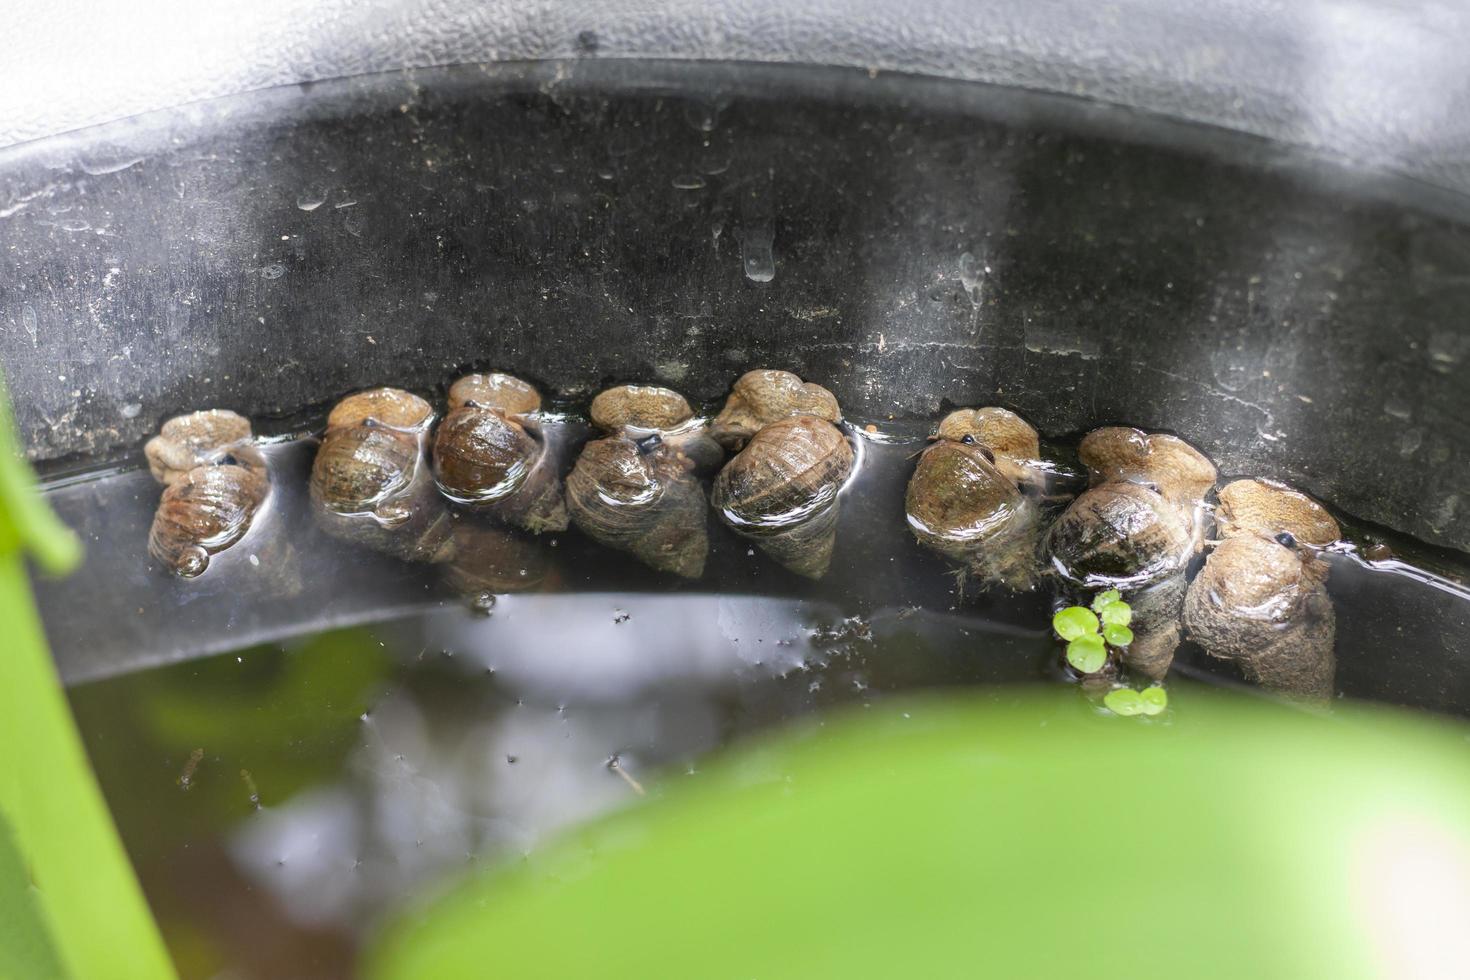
[[1104, 599], [1124, 701], [1117, 614], [939, 838], [1155, 699], [67, 892], [1118, 636]]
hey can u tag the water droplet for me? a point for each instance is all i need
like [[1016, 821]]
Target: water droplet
[[312, 198], [1396, 407], [759, 260], [131, 410], [970, 275], [273, 271], [703, 116], [483, 604]]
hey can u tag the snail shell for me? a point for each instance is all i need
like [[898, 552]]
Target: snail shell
[[370, 483], [494, 560], [1119, 535], [203, 512], [503, 391], [759, 398], [1268, 508], [490, 462], [639, 496], [1265, 605], [196, 439], [960, 504], [781, 491], [643, 410]]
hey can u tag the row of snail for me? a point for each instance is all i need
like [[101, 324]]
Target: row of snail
[[981, 495]]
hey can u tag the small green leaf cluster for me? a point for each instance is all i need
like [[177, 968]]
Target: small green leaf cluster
[[1126, 701], [1089, 632]]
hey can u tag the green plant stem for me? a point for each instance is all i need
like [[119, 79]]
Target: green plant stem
[[67, 872]]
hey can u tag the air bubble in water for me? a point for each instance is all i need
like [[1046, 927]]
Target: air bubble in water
[[483, 604], [131, 410], [273, 271]]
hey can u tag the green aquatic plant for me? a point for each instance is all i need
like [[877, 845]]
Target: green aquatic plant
[[1089, 632], [1126, 701]]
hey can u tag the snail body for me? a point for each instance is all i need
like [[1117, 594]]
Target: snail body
[[639, 496], [781, 491], [965, 499], [492, 459], [644, 410], [191, 440], [495, 390], [1261, 599], [761, 397], [1173, 468], [370, 483]]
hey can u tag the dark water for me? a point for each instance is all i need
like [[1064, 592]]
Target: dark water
[[308, 734]]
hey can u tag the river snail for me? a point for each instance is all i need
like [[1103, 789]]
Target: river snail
[[781, 491], [965, 499], [640, 496], [489, 454], [1261, 598], [643, 410], [370, 482], [1136, 529], [215, 482], [634, 489], [761, 397], [1181, 474]]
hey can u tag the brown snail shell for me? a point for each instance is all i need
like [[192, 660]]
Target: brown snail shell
[[642, 410], [1268, 508], [196, 439], [492, 463], [960, 504], [202, 513], [370, 482], [639, 496], [1264, 604], [1012, 441], [494, 390], [494, 560], [781, 491], [759, 398], [1121, 535]]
